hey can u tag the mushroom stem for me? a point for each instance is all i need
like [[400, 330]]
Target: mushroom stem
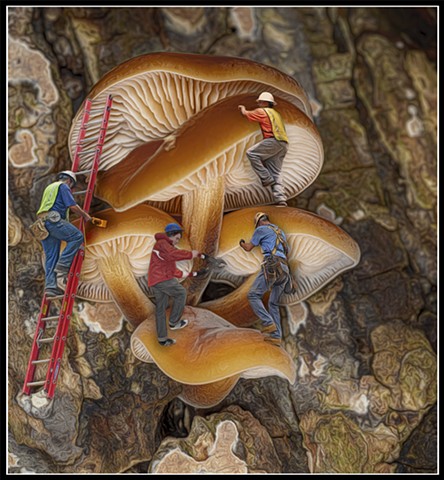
[[209, 395], [235, 307], [202, 212], [117, 274]]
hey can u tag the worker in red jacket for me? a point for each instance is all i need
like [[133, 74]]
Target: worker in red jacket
[[162, 279]]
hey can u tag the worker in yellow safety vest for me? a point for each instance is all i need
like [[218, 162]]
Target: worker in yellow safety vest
[[267, 156], [56, 202]]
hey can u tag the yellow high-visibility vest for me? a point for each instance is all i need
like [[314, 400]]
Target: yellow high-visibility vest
[[49, 197], [277, 124]]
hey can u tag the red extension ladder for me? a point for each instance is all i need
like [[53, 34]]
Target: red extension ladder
[[60, 321]]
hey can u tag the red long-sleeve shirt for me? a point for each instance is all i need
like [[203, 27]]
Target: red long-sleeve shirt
[[259, 115], [163, 260]]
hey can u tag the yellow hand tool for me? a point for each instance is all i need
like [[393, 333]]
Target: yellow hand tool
[[99, 222]]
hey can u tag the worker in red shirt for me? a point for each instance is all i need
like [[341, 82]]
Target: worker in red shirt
[[162, 279], [267, 156]]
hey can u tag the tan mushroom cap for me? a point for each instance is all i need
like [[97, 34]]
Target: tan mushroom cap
[[206, 68], [117, 255], [319, 249], [210, 349], [154, 94], [212, 146]]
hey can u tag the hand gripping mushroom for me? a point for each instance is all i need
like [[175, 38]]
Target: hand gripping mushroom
[[194, 99], [318, 252]]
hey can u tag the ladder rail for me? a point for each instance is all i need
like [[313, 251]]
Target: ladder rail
[[67, 304], [35, 350], [97, 156], [64, 321]]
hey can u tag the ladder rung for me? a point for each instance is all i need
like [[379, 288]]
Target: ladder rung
[[48, 319], [36, 362], [80, 192], [83, 172], [55, 297], [95, 122], [46, 340], [36, 384], [90, 150]]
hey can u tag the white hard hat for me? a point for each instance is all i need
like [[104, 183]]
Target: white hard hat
[[67, 174], [266, 97], [259, 216]]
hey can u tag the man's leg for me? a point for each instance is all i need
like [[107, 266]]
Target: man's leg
[[258, 154], [255, 295], [274, 166], [273, 307], [179, 295], [161, 305], [73, 237], [51, 247]]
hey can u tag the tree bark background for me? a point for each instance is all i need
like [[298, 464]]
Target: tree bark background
[[365, 346]]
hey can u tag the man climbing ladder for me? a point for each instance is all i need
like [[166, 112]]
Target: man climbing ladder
[[54, 209], [69, 263]]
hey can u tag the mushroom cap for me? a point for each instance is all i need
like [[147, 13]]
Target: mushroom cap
[[155, 94], [318, 249], [211, 349], [130, 232], [211, 145]]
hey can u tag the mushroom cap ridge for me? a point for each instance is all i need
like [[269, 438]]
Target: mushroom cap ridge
[[211, 68]]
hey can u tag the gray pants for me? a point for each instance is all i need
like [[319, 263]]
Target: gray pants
[[163, 291], [266, 158]]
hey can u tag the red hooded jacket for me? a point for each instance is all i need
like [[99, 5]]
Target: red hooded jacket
[[163, 260]]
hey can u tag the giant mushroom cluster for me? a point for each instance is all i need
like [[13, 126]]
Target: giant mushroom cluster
[[176, 145]]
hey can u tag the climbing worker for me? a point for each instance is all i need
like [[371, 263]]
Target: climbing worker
[[267, 156], [57, 199], [162, 278], [274, 274]]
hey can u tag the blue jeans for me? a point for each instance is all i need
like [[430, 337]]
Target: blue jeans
[[61, 230], [255, 295]]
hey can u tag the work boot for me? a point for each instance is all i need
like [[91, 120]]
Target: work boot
[[273, 340], [180, 324], [167, 342], [61, 270], [269, 183], [268, 328], [54, 292]]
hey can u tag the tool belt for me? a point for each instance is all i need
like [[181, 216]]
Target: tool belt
[[52, 216], [38, 228], [276, 271]]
